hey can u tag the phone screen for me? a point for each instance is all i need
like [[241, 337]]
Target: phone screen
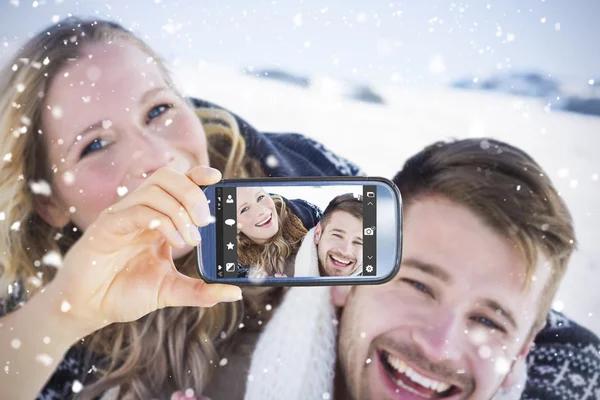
[[302, 230]]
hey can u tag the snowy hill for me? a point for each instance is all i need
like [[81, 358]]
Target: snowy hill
[[579, 97], [379, 137]]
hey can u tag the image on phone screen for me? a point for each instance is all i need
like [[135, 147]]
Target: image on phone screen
[[302, 231]]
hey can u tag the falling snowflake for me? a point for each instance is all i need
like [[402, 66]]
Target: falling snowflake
[[297, 20], [53, 259], [363, 335], [484, 144], [15, 343], [16, 226], [573, 183], [326, 396], [272, 161], [268, 307], [168, 122], [502, 366], [223, 362], [436, 65], [122, 191], [46, 340], [57, 112], [14, 3], [86, 99], [65, 306], [510, 37], [34, 281], [2, 216], [485, 352], [41, 188], [106, 124], [154, 224], [77, 386], [44, 359], [68, 178], [7, 157], [368, 361]]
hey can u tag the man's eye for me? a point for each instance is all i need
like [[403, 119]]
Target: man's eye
[[487, 322], [358, 243], [244, 210], [262, 196], [96, 145], [337, 235], [157, 111], [419, 286]]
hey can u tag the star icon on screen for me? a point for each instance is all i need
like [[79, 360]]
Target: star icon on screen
[[229, 246]]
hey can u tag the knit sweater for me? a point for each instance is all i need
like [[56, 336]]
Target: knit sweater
[[563, 364]]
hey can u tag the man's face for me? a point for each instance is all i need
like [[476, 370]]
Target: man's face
[[453, 320], [339, 244]]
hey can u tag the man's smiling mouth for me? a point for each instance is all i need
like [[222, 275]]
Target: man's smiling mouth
[[407, 379], [339, 262]]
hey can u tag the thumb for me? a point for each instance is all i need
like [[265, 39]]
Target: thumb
[[178, 290]]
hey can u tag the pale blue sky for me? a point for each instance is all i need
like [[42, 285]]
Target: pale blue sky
[[369, 41]]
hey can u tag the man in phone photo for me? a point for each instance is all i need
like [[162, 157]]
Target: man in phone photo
[[486, 242], [334, 247]]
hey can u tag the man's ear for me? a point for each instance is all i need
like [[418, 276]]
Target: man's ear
[[519, 368], [318, 232], [339, 295], [51, 211]]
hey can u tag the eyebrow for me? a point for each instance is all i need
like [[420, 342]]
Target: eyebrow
[[144, 99], [245, 203], [497, 308], [430, 269]]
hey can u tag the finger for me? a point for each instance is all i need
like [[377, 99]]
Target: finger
[[110, 229], [156, 198], [202, 176], [178, 290], [185, 188]]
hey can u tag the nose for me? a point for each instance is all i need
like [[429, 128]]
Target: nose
[[148, 153], [439, 336]]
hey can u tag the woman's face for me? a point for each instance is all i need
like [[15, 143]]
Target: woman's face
[[257, 215], [109, 122]]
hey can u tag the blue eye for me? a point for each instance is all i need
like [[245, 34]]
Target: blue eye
[[261, 197], [488, 323], [419, 286], [157, 111], [96, 145]]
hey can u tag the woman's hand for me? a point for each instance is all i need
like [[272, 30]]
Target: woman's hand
[[122, 269]]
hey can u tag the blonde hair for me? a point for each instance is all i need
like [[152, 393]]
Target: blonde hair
[[270, 258], [167, 350]]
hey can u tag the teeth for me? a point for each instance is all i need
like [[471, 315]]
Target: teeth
[[414, 376], [341, 261], [264, 221]]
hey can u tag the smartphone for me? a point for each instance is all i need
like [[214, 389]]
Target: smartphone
[[317, 231]]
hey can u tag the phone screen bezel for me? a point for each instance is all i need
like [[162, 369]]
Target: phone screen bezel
[[389, 205]]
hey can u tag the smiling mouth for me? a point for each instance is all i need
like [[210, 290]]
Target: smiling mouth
[[409, 380], [339, 262], [265, 221]]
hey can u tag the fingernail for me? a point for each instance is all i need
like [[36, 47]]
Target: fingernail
[[194, 233], [233, 297], [202, 213], [180, 239]]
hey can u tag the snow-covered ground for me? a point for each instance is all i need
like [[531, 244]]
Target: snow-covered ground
[[381, 137]]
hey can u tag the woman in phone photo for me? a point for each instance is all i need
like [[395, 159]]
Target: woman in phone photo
[[270, 230]]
